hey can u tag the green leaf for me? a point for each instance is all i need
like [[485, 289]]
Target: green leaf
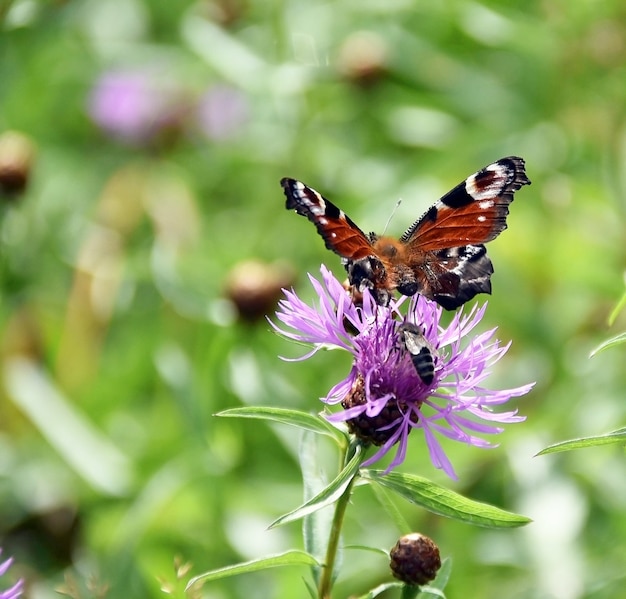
[[328, 495], [378, 550], [381, 589], [391, 509], [289, 558], [444, 502], [309, 587], [315, 526], [618, 308], [303, 420], [618, 436], [430, 592], [617, 340]]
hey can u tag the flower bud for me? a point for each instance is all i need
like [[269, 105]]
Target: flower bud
[[415, 559], [17, 153], [254, 287], [363, 58], [227, 13]]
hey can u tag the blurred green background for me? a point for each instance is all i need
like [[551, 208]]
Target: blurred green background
[[141, 146]]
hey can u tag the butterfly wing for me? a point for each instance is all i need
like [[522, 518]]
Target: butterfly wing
[[442, 255], [339, 232], [474, 212], [445, 250], [453, 276]]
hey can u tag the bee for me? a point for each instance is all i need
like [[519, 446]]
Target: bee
[[421, 351]]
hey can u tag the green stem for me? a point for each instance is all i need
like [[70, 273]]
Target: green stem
[[326, 579], [409, 591]]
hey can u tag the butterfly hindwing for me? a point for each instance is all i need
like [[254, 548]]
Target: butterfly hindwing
[[453, 276]]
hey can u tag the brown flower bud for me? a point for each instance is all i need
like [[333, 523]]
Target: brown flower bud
[[415, 559], [373, 429], [226, 13], [254, 287], [363, 58], [17, 153]]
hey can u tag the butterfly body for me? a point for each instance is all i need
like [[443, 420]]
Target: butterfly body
[[441, 255]]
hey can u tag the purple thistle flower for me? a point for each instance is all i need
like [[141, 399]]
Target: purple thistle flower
[[384, 398], [16, 590], [135, 106]]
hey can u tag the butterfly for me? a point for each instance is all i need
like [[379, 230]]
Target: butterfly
[[441, 255], [421, 351]]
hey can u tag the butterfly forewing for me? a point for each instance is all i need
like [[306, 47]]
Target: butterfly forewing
[[339, 232], [474, 212]]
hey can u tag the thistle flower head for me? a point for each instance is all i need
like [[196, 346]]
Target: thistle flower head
[[415, 559], [136, 106], [387, 395]]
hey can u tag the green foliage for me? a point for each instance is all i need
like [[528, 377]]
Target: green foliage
[[612, 342], [302, 420], [328, 496], [618, 436], [442, 501], [289, 558]]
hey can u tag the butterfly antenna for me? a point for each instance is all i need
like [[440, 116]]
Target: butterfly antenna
[[393, 212]]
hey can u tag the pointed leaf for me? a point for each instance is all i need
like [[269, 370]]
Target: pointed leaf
[[309, 587], [428, 592], [618, 436], [303, 420], [391, 509], [329, 495], [289, 558], [444, 502], [617, 340], [618, 308], [383, 552], [315, 526], [381, 589]]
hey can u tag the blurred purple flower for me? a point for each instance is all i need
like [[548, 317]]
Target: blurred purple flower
[[134, 107], [222, 112], [383, 397], [16, 590]]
